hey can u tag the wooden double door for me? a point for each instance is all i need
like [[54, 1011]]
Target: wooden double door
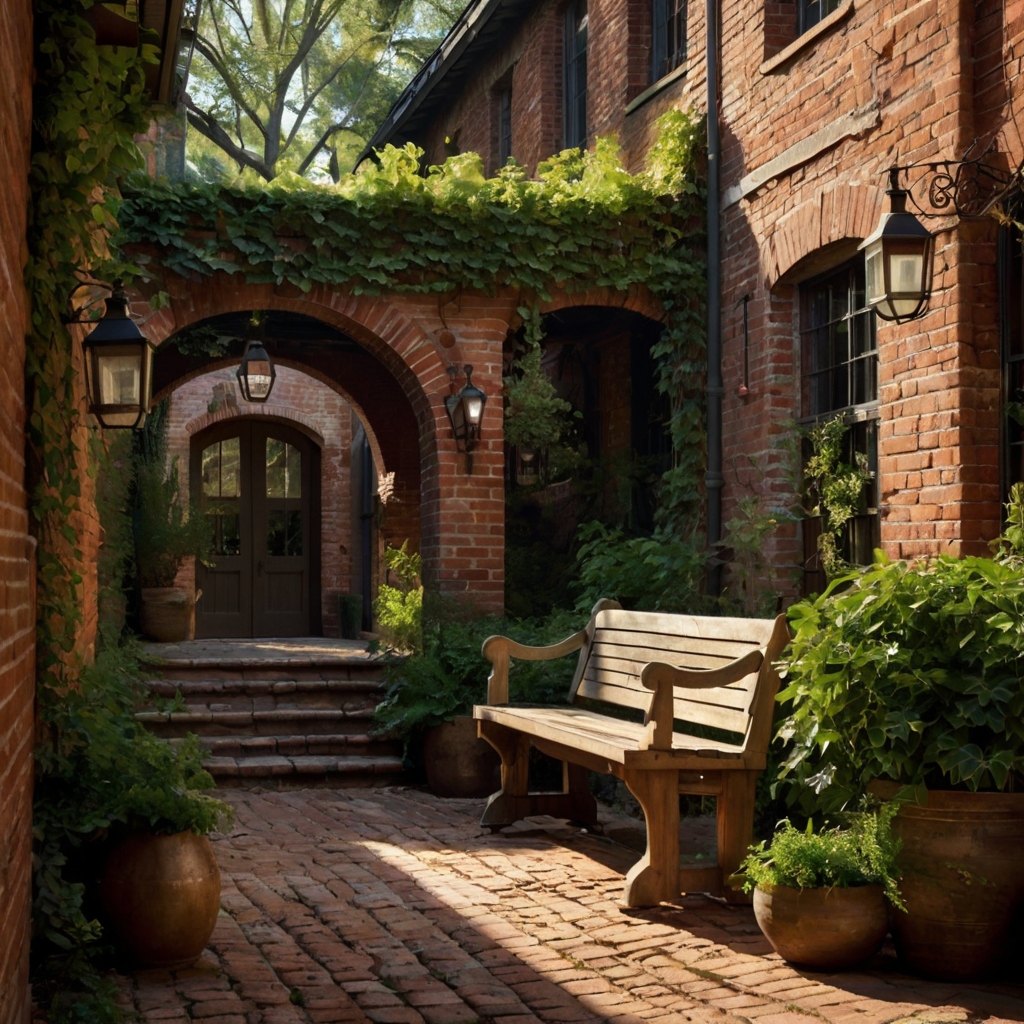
[[259, 482]]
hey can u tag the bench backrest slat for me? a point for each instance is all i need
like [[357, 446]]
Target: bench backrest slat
[[623, 642]]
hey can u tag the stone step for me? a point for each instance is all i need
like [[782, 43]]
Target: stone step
[[278, 722], [270, 694], [356, 671], [298, 745], [301, 771]]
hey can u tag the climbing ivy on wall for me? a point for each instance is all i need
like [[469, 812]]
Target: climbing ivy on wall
[[88, 103], [583, 223]]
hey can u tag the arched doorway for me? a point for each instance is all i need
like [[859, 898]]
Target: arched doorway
[[259, 482]]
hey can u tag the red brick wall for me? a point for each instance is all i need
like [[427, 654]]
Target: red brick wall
[[618, 71], [17, 611], [309, 403], [922, 80]]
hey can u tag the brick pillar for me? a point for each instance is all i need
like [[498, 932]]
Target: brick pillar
[[462, 515], [17, 568]]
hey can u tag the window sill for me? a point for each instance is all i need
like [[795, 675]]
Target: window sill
[[837, 17], [662, 83]]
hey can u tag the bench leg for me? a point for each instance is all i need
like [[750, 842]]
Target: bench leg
[[509, 803], [515, 801], [735, 821], [655, 878]]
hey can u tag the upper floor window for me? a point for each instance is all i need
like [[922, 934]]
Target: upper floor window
[[839, 376], [668, 37], [810, 12], [575, 75], [504, 126]]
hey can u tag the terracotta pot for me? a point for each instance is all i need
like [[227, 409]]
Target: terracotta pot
[[161, 895], [828, 929], [458, 762], [962, 881], [168, 614]]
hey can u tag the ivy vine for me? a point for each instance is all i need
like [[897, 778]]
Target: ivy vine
[[583, 223]]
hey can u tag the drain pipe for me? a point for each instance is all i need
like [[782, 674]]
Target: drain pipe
[[713, 478], [366, 531]]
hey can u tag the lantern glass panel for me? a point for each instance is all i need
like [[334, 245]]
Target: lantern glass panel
[[120, 378], [874, 274], [257, 374], [474, 409]]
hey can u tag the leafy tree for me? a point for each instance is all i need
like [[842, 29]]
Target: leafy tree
[[300, 85]]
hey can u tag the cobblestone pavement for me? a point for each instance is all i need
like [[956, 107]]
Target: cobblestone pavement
[[392, 906]]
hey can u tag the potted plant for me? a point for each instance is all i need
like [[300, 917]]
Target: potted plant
[[160, 888], [820, 897], [910, 679], [166, 533], [121, 825]]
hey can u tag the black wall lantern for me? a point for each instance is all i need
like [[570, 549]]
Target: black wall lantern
[[466, 412], [256, 374], [118, 367], [898, 260]]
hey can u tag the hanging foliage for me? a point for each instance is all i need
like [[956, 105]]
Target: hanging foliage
[[583, 223]]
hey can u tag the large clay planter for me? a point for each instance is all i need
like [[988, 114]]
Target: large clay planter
[[827, 929], [458, 762], [161, 895], [962, 866], [168, 614]]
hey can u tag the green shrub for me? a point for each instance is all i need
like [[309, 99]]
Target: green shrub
[[912, 673], [449, 675], [166, 531], [399, 609], [862, 853], [658, 573]]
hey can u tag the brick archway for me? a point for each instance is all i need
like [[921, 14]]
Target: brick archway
[[461, 515]]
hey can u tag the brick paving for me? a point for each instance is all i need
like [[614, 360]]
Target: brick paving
[[393, 907]]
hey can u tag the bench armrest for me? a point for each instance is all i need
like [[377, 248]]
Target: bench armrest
[[663, 679], [499, 650]]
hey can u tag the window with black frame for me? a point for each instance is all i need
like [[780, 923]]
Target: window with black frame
[[574, 77], [668, 37], [839, 376], [810, 12], [1012, 324], [504, 126]]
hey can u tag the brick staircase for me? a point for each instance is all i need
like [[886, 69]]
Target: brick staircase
[[275, 713]]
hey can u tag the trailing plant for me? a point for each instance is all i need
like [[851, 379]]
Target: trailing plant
[[399, 609], [835, 490], [863, 851], [535, 417], [911, 673]]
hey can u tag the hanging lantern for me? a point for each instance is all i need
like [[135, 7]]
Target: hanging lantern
[[466, 412], [898, 260], [118, 367], [256, 374]]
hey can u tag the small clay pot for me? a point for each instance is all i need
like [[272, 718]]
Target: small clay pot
[[827, 929], [168, 614], [161, 895], [458, 762]]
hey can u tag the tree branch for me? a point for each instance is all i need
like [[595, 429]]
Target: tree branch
[[208, 125]]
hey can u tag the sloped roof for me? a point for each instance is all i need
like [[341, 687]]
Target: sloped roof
[[482, 27]]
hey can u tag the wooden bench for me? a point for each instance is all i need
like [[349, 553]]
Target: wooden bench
[[702, 671]]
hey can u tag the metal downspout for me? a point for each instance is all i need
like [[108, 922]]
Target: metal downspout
[[713, 478]]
